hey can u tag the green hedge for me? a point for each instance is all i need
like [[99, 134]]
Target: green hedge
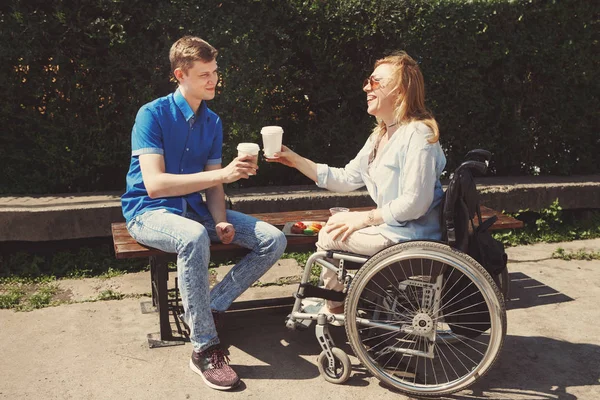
[[516, 77]]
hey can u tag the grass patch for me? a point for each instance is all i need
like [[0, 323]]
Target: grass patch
[[42, 297], [85, 262], [551, 225], [288, 280], [11, 297], [112, 273], [301, 258], [26, 295], [19, 280], [110, 294], [580, 254]]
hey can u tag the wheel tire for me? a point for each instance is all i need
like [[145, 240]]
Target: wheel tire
[[504, 281], [342, 364], [397, 257]]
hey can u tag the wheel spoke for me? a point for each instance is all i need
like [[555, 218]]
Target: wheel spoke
[[405, 295], [401, 293], [460, 339], [410, 312]]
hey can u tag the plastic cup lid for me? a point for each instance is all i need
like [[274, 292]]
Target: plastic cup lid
[[270, 130], [249, 148]]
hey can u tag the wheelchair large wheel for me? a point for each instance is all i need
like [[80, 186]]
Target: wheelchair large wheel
[[424, 318], [504, 283]]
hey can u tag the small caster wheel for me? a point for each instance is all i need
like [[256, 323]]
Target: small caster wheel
[[341, 370]]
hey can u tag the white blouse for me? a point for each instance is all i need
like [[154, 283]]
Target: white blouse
[[403, 181]]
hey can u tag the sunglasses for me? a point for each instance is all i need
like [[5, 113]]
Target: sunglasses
[[374, 82]]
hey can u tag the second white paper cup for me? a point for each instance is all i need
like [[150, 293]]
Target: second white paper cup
[[249, 149], [272, 139], [335, 210]]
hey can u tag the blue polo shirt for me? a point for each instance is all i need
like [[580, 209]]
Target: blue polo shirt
[[188, 143]]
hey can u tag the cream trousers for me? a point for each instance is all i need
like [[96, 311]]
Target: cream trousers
[[358, 242]]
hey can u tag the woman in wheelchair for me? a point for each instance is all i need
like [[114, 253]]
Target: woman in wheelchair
[[400, 164], [423, 317]]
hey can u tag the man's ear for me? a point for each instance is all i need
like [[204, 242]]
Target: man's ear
[[178, 74]]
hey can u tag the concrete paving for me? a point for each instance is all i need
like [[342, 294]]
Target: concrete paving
[[99, 351]]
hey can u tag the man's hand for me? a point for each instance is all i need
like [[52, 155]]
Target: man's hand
[[240, 167], [344, 223], [225, 232]]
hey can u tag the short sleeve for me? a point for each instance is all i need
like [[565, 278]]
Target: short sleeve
[[216, 150], [146, 136]]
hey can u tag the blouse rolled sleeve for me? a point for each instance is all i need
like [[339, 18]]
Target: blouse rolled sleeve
[[344, 179], [419, 179]]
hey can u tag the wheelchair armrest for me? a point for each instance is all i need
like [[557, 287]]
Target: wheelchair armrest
[[351, 260]]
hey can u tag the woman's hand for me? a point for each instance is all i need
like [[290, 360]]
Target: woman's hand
[[344, 223], [285, 157], [289, 158]]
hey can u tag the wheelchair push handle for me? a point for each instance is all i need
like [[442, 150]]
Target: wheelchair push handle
[[479, 155], [478, 166]]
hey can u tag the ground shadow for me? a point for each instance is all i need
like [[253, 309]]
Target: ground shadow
[[536, 367], [528, 367], [283, 354], [526, 292]]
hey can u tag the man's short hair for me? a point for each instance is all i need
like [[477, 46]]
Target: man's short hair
[[189, 49]]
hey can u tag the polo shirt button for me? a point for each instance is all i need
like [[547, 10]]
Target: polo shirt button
[[181, 169], [187, 149]]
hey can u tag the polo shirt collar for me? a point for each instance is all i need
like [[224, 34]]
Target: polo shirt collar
[[185, 108]]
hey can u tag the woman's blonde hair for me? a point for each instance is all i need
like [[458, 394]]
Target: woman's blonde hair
[[410, 103]]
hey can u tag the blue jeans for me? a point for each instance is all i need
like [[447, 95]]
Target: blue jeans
[[189, 236]]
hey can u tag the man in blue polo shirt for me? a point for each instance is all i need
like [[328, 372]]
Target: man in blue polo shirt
[[176, 152]]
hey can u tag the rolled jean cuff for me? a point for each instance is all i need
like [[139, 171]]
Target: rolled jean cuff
[[201, 348]]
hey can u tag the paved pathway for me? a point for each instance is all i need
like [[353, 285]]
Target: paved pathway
[[98, 350]]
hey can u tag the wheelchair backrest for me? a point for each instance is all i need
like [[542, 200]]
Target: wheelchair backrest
[[460, 203]]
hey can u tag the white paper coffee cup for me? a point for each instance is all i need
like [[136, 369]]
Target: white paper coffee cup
[[249, 149], [272, 140]]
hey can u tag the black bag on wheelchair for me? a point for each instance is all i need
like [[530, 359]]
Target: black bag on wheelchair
[[469, 315]]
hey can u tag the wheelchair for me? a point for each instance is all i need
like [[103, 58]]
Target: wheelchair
[[423, 317]]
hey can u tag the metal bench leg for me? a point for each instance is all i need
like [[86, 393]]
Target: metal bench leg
[[160, 277], [153, 279]]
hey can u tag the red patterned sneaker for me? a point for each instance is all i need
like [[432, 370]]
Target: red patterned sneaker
[[213, 366]]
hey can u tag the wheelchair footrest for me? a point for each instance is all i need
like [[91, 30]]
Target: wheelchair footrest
[[313, 291]]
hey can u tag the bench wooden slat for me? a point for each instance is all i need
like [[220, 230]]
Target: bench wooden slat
[[281, 218], [504, 221], [127, 247], [135, 251]]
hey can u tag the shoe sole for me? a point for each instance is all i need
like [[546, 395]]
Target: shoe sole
[[209, 384]]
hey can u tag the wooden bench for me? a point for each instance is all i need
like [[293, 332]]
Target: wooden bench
[[127, 247]]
